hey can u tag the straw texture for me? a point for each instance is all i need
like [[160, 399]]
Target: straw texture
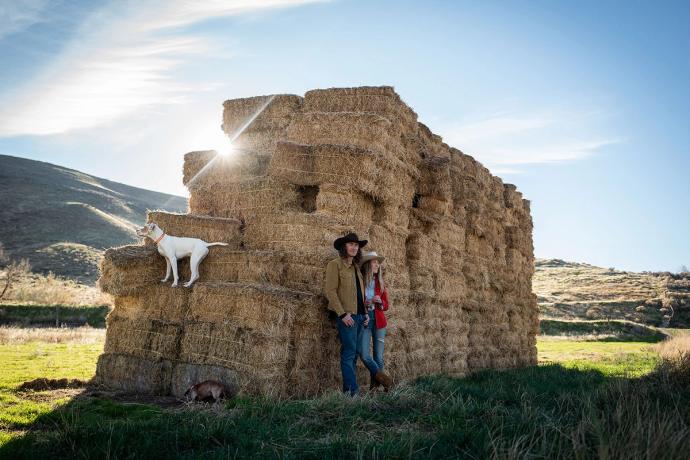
[[304, 171]]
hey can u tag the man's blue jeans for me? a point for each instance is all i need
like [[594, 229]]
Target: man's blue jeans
[[350, 340], [375, 363]]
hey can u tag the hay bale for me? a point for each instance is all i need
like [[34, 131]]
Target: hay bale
[[209, 229], [127, 270], [260, 360], [259, 113], [292, 232], [159, 302], [143, 338], [245, 199], [370, 171], [360, 129], [134, 374], [257, 307], [382, 100]]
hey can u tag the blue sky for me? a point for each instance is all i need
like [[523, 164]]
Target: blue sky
[[583, 105]]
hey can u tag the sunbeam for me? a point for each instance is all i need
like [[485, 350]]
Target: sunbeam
[[225, 152]]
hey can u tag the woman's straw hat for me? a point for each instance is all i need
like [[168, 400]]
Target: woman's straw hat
[[371, 256]]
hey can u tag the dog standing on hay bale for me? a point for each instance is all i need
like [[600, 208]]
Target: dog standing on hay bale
[[207, 390], [174, 247]]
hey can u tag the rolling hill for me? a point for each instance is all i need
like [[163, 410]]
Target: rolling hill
[[570, 290], [62, 219]]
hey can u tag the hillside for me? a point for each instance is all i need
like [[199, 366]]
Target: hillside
[[61, 219], [570, 290]]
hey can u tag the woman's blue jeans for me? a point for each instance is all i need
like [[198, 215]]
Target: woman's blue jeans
[[374, 363]]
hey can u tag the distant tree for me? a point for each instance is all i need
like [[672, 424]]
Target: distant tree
[[13, 270], [684, 269]]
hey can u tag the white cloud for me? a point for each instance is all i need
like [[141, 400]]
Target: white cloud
[[18, 15], [506, 142], [122, 61]]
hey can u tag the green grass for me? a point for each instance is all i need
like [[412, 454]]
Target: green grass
[[602, 399], [28, 361], [606, 330], [46, 315]]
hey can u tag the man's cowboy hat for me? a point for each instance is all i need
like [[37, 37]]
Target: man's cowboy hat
[[349, 238], [371, 256]]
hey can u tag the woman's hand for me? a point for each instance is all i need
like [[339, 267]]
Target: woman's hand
[[366, 320], [377, 299]]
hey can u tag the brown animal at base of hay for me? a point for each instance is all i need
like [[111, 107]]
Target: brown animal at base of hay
[[208, 390]]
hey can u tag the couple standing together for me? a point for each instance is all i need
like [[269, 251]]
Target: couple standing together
[[357, 294]]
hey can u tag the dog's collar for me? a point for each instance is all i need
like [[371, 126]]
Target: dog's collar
[[159, 239]]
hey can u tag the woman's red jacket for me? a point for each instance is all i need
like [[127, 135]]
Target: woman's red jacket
[[380, 317]]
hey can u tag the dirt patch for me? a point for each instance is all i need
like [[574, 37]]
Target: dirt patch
[[43, 384]]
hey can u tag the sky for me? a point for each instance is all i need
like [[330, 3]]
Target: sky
[[585, 106]]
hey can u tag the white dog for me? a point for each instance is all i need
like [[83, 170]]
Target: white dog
[[174, 248]]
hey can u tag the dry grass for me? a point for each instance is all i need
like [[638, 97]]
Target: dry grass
[[83, 335], [52, 290], [675, 347], [570, 290]]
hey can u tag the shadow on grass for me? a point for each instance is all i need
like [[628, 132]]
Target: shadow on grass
[[53, 315], [544, 411]]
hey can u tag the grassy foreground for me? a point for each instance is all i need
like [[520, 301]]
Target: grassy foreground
[[613, 402]]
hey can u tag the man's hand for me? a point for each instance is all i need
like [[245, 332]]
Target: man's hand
[[348, 321]]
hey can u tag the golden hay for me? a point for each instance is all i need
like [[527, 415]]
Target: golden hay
[[209, 229], [260, 195], [295, 231], [157, 302], [272, 113], [364, 130], [380, 100], [457, 242], [375, 173], [134, 374], [150, 339]]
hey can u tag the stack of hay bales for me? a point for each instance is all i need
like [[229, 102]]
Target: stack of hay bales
[[457, 241]]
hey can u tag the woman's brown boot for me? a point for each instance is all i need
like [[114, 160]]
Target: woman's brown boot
[[384, 379], [373, 384]]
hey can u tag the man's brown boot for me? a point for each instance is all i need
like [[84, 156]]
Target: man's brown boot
[[384, 379], [373, 384]]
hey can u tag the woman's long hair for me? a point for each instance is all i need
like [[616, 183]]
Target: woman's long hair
[[368, 275]]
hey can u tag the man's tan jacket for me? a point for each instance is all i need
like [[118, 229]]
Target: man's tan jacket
[[340, 288]]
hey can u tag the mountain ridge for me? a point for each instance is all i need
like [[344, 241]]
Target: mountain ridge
[[61, 219]]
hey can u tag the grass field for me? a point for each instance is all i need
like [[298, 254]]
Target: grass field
[[587, 399]]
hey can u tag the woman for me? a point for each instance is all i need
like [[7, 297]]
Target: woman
[[376, 301]]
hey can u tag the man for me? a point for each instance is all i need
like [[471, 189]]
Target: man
[[344, 288]]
